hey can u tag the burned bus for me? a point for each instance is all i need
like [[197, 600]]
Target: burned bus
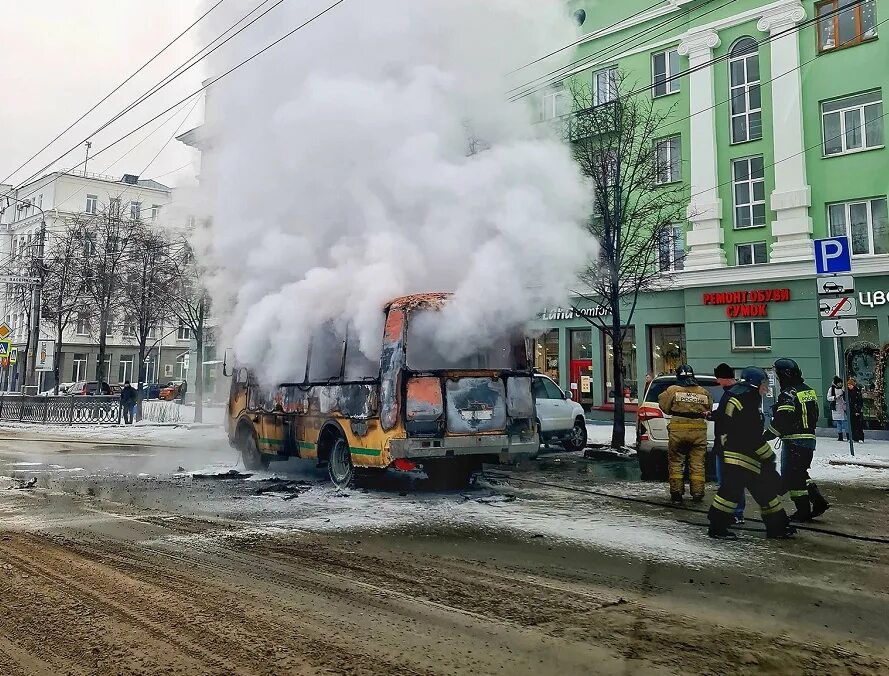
[[414, 410]]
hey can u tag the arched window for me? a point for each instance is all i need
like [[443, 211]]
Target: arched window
[[746, 101]]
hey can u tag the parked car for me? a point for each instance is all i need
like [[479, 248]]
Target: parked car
[[63, 389], [651, 428], [151, 390], [89, 387], [560, 419], [171, 390]]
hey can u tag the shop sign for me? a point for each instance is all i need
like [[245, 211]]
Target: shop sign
[[873, 299], [751, 303], [561, 313]]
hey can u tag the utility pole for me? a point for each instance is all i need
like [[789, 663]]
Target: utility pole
[[36, 297], [88, 145]]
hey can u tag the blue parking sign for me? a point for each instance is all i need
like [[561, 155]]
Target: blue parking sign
[[833, 255]]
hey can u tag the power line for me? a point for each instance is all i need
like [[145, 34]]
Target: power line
[[172, 136], [115, 90]]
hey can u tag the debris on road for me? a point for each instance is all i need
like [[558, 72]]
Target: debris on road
[[22, 484], [290, 489], [230, 474]]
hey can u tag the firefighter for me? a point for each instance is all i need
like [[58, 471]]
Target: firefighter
[[690, 405], [748, 460], [794, 417]]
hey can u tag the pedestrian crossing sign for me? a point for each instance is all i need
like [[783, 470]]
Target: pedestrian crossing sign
[[13, 355], [5, 348]]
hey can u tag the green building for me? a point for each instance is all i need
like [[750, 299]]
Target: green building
[[778, 130]]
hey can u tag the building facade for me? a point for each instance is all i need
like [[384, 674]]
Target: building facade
[[58, 198], [777, 128]]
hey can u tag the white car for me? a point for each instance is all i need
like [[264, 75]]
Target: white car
[[560, 419]]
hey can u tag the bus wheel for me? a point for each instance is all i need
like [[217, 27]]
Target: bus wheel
[[250, 454], [339, 464]]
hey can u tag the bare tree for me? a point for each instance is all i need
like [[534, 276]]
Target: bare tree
[[191, 304], [149, 279], [620, 140], [63, 284]]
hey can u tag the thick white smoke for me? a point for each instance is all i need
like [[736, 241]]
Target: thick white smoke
[[339, 174]]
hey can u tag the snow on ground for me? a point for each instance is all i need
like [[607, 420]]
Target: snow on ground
[[140, 433], [869, 451], [600, 433]]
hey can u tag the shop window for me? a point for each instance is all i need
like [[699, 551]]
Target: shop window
[[861, 363], [546, 354], [745, 97], [845, 23], [865, 222], [628, 350], [581, 366], [754, 253], [667, 344], [853, 123], [751, 336], [664, 72], [749, 192]]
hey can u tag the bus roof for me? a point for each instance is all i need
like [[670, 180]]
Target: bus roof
[[419, 301]]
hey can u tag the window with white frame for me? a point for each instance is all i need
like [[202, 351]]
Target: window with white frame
[[664, 72], [114, 206], [152, 332], [554, 104], [79, 363], [754, 253], [92, 204], [668, 155], [82, 326], [605, 86], [155, 211], [751, 335], [183, 333], [182, 367], [745, 96], [865, 222], [129, 330], [671, 249], [853, 123], [135, 210], [125, 368], [749, 192]]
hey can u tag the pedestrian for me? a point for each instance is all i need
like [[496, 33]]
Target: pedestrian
[[127, 402], [689, 405], [855, 402], [836, 397], [794, 417], [749, 461], [183, 388], [725, 376]]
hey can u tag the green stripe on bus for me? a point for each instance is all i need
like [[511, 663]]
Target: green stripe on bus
[[270, 442], [365, 451], [306, 444]]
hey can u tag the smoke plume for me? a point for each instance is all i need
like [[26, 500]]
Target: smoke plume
[[374, 154]]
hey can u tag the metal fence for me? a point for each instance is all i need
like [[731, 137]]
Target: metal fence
[[73, 410]]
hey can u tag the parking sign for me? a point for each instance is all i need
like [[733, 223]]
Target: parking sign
[[833, 255]]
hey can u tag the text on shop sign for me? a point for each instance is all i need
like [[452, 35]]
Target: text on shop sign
[[570, 313], [751, 303], [873, 298]]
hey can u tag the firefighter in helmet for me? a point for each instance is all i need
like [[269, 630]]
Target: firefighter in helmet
[[794, 417], [748, 460], [690, 405]]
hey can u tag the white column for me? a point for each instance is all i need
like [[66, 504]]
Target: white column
[[705, 239], [792, 197]]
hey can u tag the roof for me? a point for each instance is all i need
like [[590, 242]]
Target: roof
[[150, 183], [420, 301]]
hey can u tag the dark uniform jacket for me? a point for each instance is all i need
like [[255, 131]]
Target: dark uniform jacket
[[795, 415], [741, 429], [719, 420]]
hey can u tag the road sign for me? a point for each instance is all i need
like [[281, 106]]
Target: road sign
[[4, 331], [19, 280], [831, 286], [5, 348], [839, 328], [45, 355], [833, 255], [844, 306], [13, 355]]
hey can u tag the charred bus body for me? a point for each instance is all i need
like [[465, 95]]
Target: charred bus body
[[420, 410]]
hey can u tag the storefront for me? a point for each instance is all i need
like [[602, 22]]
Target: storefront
[[749, 324]]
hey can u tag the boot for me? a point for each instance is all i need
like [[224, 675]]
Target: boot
[[676, 498], [697, 498], [721, 534], [840, 436], [819, 503], [785, 533], [803, 509]]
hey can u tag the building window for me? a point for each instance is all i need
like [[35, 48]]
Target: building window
[[79, 370], [182, 367], [671, 249], [82, 327], [838, 27], [155, 211], [749, 192], [746, 101], [546, 354], [628, 348], [125, 368], [580, 366], [668, 155], [605, 86], [751, 336], [183, 333], [664, 72], [129, 330], [865, 222], [853, 123], [667, 348], [754, 253], [152, 332], [135, 210], [92, 204], [554, 104]]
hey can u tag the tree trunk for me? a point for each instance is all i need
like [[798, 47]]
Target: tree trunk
[[619, 431], [57, 362], [199, 367], [103, 340], [143, 340]]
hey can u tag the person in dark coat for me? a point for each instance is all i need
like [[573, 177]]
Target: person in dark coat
[[855, 402], [127, 402]]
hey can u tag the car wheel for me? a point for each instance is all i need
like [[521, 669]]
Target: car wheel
[[250, 454], [339, 464], [577, 440]]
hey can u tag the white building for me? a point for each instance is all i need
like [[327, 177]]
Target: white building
[[58, 197]]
